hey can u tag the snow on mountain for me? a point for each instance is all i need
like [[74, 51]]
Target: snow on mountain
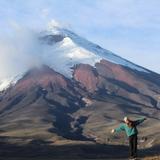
[[64, 55], [5, 83], [61, 49], [74, 49]]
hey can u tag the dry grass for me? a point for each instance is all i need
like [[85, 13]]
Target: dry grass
[[152, 158]]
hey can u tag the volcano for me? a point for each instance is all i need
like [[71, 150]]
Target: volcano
[[78, 94]]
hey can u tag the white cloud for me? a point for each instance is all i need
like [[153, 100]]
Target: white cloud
[[18, 52]]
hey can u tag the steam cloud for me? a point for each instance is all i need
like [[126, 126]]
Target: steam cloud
[[19, 52]]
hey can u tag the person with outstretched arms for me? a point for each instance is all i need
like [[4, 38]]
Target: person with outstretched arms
[[130, 127]]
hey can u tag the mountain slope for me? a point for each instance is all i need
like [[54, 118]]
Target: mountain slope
[[46, 105], [78, 94], [32, 101]]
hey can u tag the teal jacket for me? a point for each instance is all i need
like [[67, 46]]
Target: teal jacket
[[129, 131]]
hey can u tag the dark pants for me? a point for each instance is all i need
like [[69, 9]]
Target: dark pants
[[133, 146]]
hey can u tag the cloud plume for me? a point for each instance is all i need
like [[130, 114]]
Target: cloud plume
[[18, 52]]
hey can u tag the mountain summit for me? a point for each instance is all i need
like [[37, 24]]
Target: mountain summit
[[71, 49]]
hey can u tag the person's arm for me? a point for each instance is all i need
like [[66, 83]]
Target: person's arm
[[139, 121], [120, 128]]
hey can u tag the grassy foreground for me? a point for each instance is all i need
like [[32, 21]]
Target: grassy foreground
[[39, 150], [152, 158]]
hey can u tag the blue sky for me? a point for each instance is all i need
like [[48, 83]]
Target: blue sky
[[129, 28]]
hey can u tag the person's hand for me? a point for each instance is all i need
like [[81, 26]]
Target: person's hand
[[112, 131]]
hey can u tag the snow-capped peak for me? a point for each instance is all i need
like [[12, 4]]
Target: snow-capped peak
[[80, 50], [62, 49]]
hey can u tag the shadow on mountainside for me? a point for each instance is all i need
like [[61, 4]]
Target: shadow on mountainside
[[41, 149]]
